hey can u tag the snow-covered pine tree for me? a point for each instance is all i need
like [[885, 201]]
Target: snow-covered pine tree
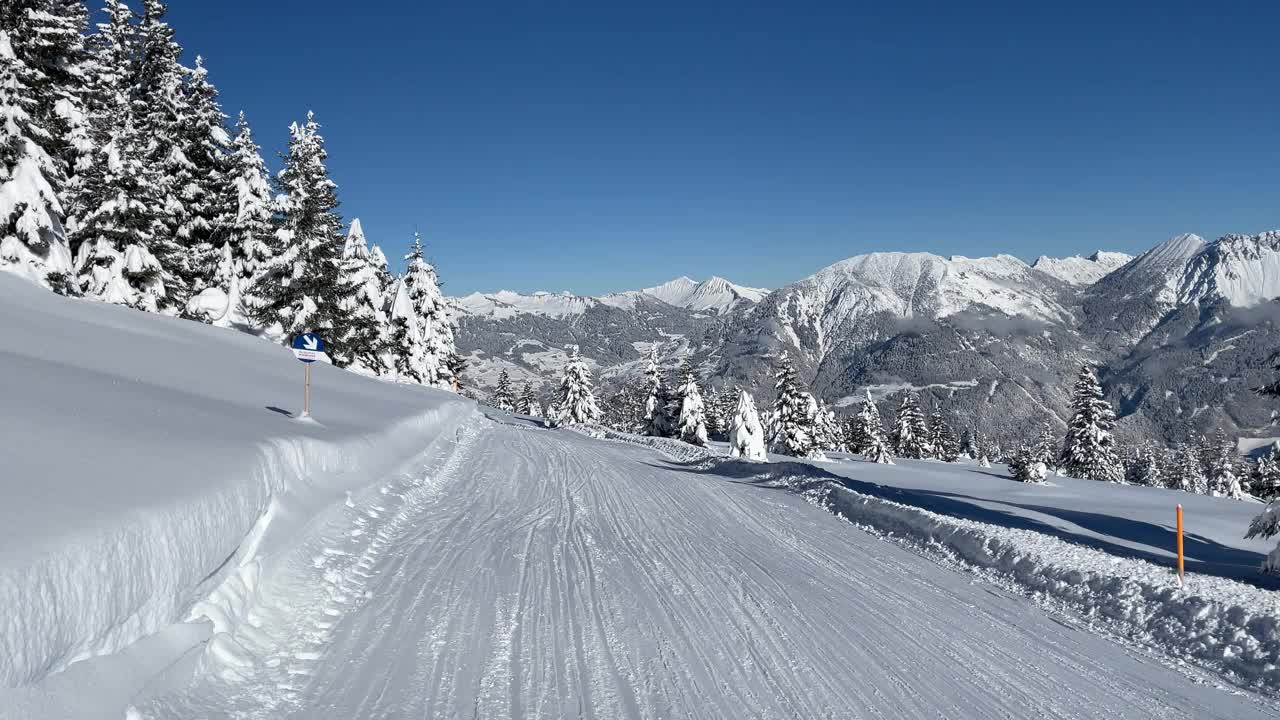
[[624, 409], [867, 434], [433, 314], [247, 225], [1047, 447], [827, 432], [529, 403], [52, 61], [576, 402], [504, 397], [1089, 449], [746, 436], [910, 433], [792, 424], [370, 344], [942, 440], [1224, 476], [1264, 482], [304, 285], [1027, 466], [1187, 472], [32, 240], [716, 415], [692, 425], [658, 402], [202, 139], [1145, 467]]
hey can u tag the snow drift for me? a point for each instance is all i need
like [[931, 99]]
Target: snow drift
[[147, 458]]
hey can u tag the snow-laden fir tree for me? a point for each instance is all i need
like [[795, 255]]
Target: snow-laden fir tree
[[369, 343], [529, 403], [658, 402], [867, 434], [307, 283], [32, 239], [1264, 480], [910, 433], [1224, 474], [1145, 467], [53, 66], [421, 336], [624, 409], [1027, 465], [1187, 473], [746, 435], [716, 413], [576, 402], [792, 424], [504, 397], [248, 227], [692, 423], [827, 430], [203, 141], [1089, 449], [942, 439]]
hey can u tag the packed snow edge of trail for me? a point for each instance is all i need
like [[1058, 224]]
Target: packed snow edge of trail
[[1222, 625], [99, 592]]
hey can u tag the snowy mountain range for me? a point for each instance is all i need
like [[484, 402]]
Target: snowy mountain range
[[1180, 333]]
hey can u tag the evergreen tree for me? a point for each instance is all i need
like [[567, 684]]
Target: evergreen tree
[[504, 397], [1047, 447], [425, 343], [910, 434], [529, 403], [792, 425], [305, 284], [455, 365], [827, 432], [867, 434], [942, 440], [1146, 468], [969, 445], [32, 240], [369, 342], [1089, 449], [1188, 473], [1027, 466], [202, 139], [576, 403], [1265, 480], [658, 402], [624, 409], [1224, 475], [692, 423], [247, 223], [746, 436]]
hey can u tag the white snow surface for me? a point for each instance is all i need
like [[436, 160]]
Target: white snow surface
[[1078, 270], [403, 555]]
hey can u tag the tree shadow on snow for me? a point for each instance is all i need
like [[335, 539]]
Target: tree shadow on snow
[[1204, 555]]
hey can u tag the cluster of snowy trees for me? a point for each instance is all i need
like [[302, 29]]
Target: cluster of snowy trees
[[526, 402], [120, 182]]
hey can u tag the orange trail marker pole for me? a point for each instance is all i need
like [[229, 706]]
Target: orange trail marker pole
[[1180, 557]]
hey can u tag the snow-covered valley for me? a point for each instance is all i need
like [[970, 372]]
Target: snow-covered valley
[[176, 544]]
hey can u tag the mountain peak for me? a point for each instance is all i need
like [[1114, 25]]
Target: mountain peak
[[1077, 270]]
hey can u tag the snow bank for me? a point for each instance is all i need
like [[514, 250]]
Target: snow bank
[[1224, 625], [141, 456]]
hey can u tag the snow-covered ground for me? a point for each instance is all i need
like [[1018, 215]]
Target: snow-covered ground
[[207, 555]]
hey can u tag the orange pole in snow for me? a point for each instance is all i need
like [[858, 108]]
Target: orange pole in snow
[[1180, 560]]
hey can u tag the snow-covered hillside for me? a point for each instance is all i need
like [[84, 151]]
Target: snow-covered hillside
[[1081, 271], [713, 296]]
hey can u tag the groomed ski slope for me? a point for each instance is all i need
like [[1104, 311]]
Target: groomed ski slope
[[529, 573]]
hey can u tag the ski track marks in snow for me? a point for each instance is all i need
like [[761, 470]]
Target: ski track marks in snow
[[542, 574]]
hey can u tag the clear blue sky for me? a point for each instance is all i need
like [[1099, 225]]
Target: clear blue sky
[[602, 145]]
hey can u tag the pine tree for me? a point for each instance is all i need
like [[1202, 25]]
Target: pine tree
[[529, 403], [421, 337], [1027, 466], [692, 423], [504, 397], [1188, 473], [1146, 468], [1224, 476], [202, 139], [746, 436], [1089, 449], [792, 424], [658, 402], [942, 440], [303, 287], [910, 434], [576, 402], [369, 344], [867, 434], [1047, 447], [827, 433], [32, 240], [1265, 480]]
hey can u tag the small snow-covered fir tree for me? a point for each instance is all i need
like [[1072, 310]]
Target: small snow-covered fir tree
[[576, 403], [32, 240], [692, 425], [658, 421], [247, 224], [942, 440], [1089, 449], [203, 141], [421, 340], [910, 433], [792, 426], [1145, 467], [1188, 473], [504, 397], [1224, 475], [746, 435], [827, 431], [529, 403], [1027, 466], [867, 434]]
